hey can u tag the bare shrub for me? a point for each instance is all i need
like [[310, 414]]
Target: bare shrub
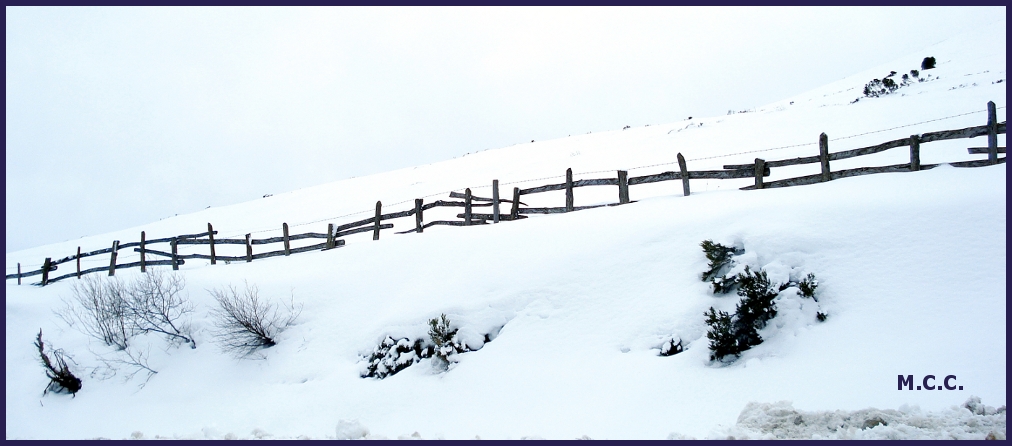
[[100, 309], [156, 304], [246, 323], [114, 312], [60, 377]]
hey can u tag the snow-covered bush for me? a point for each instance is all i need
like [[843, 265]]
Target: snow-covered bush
[[732, 335], [880, 87], [756, 307], [439, 331], [445, 340], [60, 377], [392, 356], [720, 259], [246, 323], [442, 344], [672, 346], [721, 335], [808, 286]]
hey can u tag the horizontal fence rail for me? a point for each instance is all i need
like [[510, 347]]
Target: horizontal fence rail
[[758, 170]]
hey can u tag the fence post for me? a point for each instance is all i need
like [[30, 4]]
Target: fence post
[[515, 209], [376, 224], [330, 235], [467, 207], [210, 236], [824, 156], [284, 228], [19, 273], [175, 257], [143, 266], [249, 249], [760, 167], [495, 201], [78, 262], [623, 187], [112, 258], [569, 190], [418, 215], [685, 175], [915, 153], [992, 134], [45, 271]]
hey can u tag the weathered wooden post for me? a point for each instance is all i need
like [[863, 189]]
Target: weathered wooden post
[[515, 209], [376, 224], [915, 153], [78, 262], [467, 207], [45, 271], [824, 157], [284, 228], [210, 237], [569, 190], [112, 257], [143, 266], [760, 167], [623, 187], [992, 134], [175, 255], [495, 201], [249, 249], [685, 174], [19, 273], [418, 216], [330, 235]]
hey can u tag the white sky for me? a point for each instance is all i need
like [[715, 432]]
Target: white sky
[[116, 117]]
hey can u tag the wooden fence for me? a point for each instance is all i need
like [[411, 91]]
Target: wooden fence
[[757, 170]]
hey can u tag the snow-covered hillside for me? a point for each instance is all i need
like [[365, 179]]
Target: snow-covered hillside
[[912, 272]]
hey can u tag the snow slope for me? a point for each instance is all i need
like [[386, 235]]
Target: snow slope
[[911, 269]]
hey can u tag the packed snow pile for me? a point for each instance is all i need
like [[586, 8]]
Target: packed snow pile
[[970, 421]]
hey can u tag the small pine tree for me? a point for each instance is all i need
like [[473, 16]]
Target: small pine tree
[[756, 306], [928, 63], [731, 335], [889, 85], [442, 337], [719, 256], [720, 334], [808, 285]]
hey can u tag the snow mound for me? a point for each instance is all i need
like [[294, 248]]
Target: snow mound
[[971, 421]]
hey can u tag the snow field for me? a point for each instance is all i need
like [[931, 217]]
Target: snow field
[[912, 272]]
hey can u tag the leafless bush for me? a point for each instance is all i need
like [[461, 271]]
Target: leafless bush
[[246, 323], [156, 304], [133, 359], [114, 312], [100, 308], [60, 377]]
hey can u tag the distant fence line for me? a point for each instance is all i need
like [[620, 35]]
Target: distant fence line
[[757, 170]]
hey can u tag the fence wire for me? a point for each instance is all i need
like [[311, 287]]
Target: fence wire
[[725, 155], [632, 168]]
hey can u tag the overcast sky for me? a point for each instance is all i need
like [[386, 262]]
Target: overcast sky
[[118, 117]]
